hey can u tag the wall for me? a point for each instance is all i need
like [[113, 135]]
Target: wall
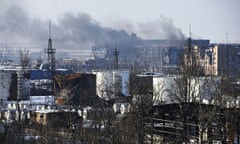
[[5, 80], [111, 84]]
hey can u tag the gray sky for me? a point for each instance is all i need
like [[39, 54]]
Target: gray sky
[[210, 19]]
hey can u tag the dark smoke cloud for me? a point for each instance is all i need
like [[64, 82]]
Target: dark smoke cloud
[[71, 32], [17, 27], [82, 32], [76, 32], [162, 28]]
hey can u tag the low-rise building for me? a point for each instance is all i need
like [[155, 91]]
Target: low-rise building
[[111, 84], [187, 123], [165, 89], [56, 118]]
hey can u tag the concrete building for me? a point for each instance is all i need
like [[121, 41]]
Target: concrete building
[[15, 83], [222, 59], [111, 84], [210, 64], [193, 59], [215, 59], [164, 89], [5, 81], [77, 88]]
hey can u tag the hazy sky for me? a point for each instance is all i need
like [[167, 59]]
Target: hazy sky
[[210, 19]]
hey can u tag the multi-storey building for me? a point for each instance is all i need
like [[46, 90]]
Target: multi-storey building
[[222, 59]]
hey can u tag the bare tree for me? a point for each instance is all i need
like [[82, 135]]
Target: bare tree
[[24, 58], [191, 87]]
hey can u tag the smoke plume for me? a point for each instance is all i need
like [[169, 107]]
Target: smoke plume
[[77, 33], [162, 28]]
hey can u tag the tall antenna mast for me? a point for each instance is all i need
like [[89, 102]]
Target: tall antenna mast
[[190, 40], [50, 51], [49, 32]]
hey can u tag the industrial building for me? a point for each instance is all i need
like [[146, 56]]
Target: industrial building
[[74, 89], [145, 55]]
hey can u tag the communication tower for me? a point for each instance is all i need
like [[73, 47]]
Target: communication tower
[[50, 52]]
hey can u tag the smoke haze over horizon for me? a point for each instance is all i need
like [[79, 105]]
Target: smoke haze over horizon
[[79, 24], [77, 32]]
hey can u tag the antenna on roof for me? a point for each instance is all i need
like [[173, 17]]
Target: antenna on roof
[[227, 38]]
